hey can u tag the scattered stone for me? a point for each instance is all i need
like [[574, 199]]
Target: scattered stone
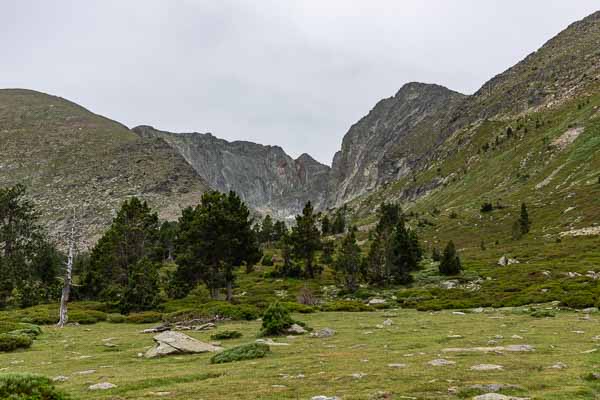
[[204, 327], [487, 367], [271, 342], [157, 329], [589, 351], [496, 349], [388, 322], [478, 310], [160, 394], [449, 284], [87, 372], [590, 310], [296, 329], [558, 365], [358, 375], [170, 342], [497, 396], [60, 378], [397, 365], [110, 339], [454, 337], [373, 302], [324, 398], [458, 313], [323, 333], [505, 261], [440, 362], [102, 386], [494, 387], [516, 337]]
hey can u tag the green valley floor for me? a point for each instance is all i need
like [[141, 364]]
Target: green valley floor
[[365, 359]]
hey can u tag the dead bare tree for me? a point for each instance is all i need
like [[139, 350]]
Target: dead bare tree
[[64, 298]]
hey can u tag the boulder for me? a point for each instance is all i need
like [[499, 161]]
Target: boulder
[[373, 302], [440, 362], [170, 342], [102, 386], [487, 367], [323, 333], [496, 396], [296, 329], [504, 261]]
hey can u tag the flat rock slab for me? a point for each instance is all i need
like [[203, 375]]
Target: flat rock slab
[[323, 333], [495, 349], [271, 342], [102, 386], [497, 396], [397, 365], [440, 362], [487, 367], [170, 342]]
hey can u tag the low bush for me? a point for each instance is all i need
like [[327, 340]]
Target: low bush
[[579, 300], [276, 320], [86, 317], [10, 342], [20, 328], [226, 335], [145, 317], [346, 305], [238, 312], [28, 387], [267, 260], [244, 352], [116, 318], [299, 308], [542, 313]]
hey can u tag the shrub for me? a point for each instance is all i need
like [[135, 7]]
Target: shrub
[[299, 308], [486, 207], [116, 318], [307, 297], [543, 314], [20, 328], [579, 300], [267, 260], [144, 317], [10, 342], [28, 387], [346, 305], [242, 312], [86, 317], [226, 335], [276, 320], [244, 352]]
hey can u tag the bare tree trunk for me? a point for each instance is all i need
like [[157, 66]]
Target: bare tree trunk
[[229, 291], [64, 298]]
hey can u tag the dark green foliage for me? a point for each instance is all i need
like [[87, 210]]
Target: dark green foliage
[[276, 320], [116, 318], [327, 249], [450, 263], [524, 223], [579, 300], [348, 262], [244, 352], [436, 255], [306, 239], [215, 238], [19, 328], [325, 225], [279, 230], [299, 307], [167, 235], [28, 387], [29, 264], [11, 342], [132, 236], [377, 266], [346, 306], [267, 260], [145, 317], [242, 312], [266, 230], [486, 207], [142, 291], [338, 225], [223, 335], [405, 254]]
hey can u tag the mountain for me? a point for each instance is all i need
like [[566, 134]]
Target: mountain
[[268, 179], [391, 140], [71, 159]]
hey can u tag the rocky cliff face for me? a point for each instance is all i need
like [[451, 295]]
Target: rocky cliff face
[[387, 143], [268, 179]]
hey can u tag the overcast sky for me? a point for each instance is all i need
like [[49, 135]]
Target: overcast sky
[[292, 73]]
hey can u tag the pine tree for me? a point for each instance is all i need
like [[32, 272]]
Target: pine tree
[[280, 230], [215, 238], [338, 225], [435, 254], [306, 239], [347, 263], [327, 249], [405, 254], [142, 290], [266, 230], [379, 259], [133, 235], [524, 222], [450, 263], [325, 225]]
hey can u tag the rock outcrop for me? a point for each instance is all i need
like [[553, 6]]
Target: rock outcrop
[[265, 177]]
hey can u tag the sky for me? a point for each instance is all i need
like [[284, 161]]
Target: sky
[[291, 73]]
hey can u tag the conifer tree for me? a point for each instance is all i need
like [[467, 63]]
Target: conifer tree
[[524, 222], [450, 263], [266, 230], [378, 261], [306, 239], [280, 230], [325, 225], [347, 263], [405, 254]]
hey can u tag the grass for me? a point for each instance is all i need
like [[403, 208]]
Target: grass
[[310, 367]]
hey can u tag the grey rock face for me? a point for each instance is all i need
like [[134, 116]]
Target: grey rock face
[[391, 140], [265, 177]]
